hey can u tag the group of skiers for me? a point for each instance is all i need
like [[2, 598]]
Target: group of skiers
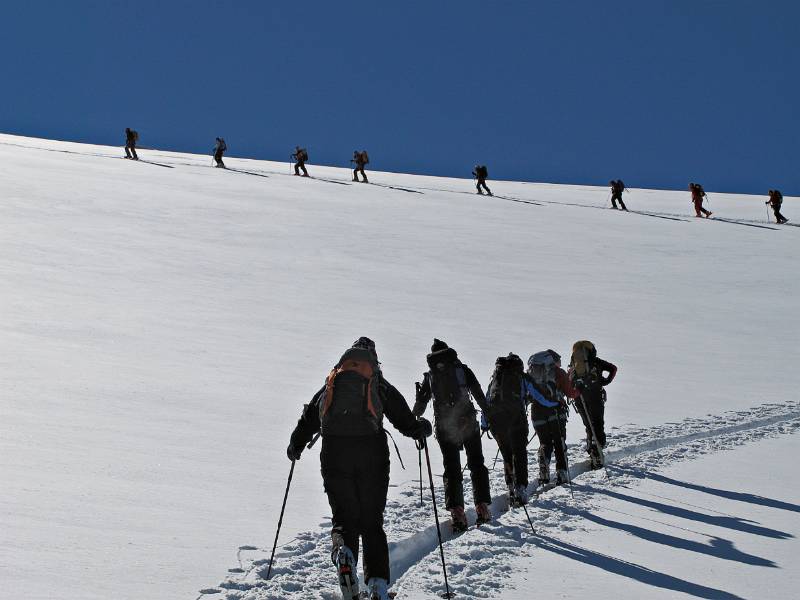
[[347, 412], [480, 173]]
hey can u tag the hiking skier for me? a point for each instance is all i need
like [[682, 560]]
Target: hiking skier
[[549, 412], [481, 173], [360, 159], [300, 157], [587, 375], [348, 411], [698, 193], [219, 149], [131, 137], [450, 382], [775, 201], [617, 187], [506, 398]]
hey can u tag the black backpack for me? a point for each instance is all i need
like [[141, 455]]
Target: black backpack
[[505, 395], [452, 403], [351, 403], [620, 186], [481, 172]]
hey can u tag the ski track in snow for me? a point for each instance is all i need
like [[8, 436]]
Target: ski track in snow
[[302, 567]]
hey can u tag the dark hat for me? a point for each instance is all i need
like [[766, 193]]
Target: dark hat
[[438, 345], [364, 342]]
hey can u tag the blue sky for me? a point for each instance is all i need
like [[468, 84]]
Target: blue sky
[[657, 92]]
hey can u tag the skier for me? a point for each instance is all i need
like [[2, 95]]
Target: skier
[[481, 173], [775, 201], [548, 409], [509, 390], [131, 137], [300, 157], [617, 187], [586, 374], [349, 411], [360, 159], [219, 149], [451, 382], [697, 197]]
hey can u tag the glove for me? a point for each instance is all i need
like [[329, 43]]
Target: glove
[[484, 422], [293, 453], [419, 408], [423, 429]]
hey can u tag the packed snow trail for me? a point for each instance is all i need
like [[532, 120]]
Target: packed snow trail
[[302, 566]]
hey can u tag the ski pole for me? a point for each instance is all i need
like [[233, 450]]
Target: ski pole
[[423, 445], [566, 458], [280, 520], [421, 502], [594, 436], [525, 508], [466, 465]]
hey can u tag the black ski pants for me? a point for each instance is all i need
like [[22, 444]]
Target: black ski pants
[[453, 475], [355, 473], [482, 184], [551, 436], [300, 165], [359, 169], [779, 218], [130, 150], [511, 435], [218, 158], [617, 197], [592, 411]]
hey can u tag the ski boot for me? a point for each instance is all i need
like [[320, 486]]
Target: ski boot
[[480, 193], [484, 514], [345, 563], [458, 519], [595, 457], [519, 496], [544, 474], [562, 477], [378, 589]]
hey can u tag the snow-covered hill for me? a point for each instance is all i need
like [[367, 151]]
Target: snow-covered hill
[[163, 322]]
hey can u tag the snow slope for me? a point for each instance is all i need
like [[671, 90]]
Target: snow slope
[[163, 323]]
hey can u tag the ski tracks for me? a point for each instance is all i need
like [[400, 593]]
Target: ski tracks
[[303, 569]]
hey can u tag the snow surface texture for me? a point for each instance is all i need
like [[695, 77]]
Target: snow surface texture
[[163, 322]]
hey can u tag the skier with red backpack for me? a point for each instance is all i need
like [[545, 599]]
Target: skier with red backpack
[[451, 383], [587, 375], [349, 411]]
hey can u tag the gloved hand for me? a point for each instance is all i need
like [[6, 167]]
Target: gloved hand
[[293, 453], [484, 422], [419, 408], [423, 430]]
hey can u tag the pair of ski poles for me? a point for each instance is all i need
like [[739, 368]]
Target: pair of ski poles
[[421, 445]]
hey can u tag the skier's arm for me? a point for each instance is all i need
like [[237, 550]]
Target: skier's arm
[[423, 396], [535, 394], [399, 414], [307, 425], [606, 366], [565, 385], [475, 388]]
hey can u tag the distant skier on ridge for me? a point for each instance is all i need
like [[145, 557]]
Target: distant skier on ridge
[[451, 383], [219, 149], [360, 159], [617, 187], [775, 201], [300, 157], [698, 193], [481, 173], [348, 411], [131, 137]]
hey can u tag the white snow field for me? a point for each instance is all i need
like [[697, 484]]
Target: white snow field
[[163, 323]]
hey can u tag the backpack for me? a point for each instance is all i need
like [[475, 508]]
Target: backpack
[[542, 369], [620, 186], [222, 145], [505, 390], [135, 135], [448, 380], [302, 155], [351, 404], [582, 361], [482, 173]]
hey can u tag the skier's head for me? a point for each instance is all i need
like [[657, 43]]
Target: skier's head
[[127, 130], [438, 345], [367, 344]]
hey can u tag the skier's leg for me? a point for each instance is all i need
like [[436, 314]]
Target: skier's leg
[[558, 445], [133, 150], [373, 486], [364, 174], [580, 405], [127, 151], [297, 169], [303, 168], [521, 454], [598, 409], [355, 174], [453, 478], [477, 469], [621, 203], [340, 480]]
